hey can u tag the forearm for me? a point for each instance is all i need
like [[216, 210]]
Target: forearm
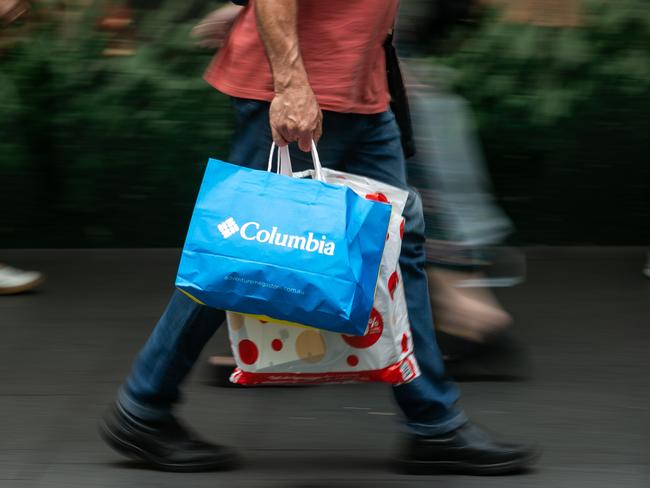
[[294, 113], [277, 25]]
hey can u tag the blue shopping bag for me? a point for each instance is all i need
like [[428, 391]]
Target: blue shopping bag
[[295, 250]]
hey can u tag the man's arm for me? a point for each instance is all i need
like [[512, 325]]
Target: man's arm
[[294, 114]]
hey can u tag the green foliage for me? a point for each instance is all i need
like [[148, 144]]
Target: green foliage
[[564, 115], [94, 142], [557, 70]]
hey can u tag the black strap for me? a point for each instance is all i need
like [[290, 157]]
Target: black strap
[[399, 103]]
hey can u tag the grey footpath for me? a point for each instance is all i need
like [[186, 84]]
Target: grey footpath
[[584, 314]]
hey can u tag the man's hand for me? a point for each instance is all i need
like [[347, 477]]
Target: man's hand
[[294, 114], [10, 10], [213, 29]]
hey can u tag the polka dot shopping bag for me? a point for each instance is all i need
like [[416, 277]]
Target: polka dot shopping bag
[[271, 352]]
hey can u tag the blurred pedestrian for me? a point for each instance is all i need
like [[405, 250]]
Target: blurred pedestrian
[[296, 71], [463, 222], [14, 280]]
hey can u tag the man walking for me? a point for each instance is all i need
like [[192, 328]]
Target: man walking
[[297, 70]]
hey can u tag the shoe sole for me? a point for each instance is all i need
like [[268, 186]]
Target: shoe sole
[[462, 467], [14, 290], [125, 448]]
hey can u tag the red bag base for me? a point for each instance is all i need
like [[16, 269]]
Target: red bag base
[[395, 374]]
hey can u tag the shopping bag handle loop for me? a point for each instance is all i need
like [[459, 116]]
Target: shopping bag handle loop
[[284, 161]]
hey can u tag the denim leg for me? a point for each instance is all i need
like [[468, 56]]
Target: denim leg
[[176, 342], [428, 402], [168, 356]]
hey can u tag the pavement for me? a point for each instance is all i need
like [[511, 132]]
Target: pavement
[[584, 314]]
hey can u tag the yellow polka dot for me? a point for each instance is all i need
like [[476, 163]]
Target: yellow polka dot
[[310, 346]]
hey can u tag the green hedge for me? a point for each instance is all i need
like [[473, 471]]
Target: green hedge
[[106, 150], [564, 116]]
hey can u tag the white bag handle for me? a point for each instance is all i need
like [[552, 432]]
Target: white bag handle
[[284, 161]]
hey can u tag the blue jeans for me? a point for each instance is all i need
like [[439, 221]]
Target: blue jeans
[[368, 145]]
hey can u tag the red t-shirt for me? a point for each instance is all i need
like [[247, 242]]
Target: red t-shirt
[[341, 43]]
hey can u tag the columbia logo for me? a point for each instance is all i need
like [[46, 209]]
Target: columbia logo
[[253, 231], [228, 228]]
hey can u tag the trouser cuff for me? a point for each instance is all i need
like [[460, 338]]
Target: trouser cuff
[[426, 429]]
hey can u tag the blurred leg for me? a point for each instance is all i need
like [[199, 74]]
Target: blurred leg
[[460, 213], [185, 327], [449, 163]]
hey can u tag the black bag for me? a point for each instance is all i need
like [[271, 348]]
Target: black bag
[[399, 103]]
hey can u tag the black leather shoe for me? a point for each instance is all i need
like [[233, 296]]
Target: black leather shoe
[[166, 445], [467, 450]]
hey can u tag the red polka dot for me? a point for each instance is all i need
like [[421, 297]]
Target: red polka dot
[[401, 230], [405, 343], [353, 360], [392, 283], [276, 344], [387, 235], [375, 329], [377, 197], [248, 352]]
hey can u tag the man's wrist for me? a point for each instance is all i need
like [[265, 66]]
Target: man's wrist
[[288, 80]]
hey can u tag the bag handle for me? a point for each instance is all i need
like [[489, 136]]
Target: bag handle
[[284, 161]]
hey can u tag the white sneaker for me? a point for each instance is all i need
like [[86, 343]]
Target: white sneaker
[[14, 280]]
